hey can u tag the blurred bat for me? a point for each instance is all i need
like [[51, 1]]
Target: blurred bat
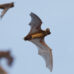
[[7, 56], [36, 36], [5, 8]]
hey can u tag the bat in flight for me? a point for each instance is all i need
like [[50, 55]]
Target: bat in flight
[[5, 8], [36, 36], [6, 55]]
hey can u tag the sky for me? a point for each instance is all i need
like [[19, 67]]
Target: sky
[[57, 15]]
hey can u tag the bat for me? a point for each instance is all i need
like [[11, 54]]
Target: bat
[[36, 36], [6, 55], [5, 8]]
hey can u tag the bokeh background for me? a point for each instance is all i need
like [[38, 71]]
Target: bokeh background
[[58, 15]]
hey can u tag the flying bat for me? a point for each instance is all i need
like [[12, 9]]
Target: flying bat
[[36, 36], [5, 8], [7, 55]]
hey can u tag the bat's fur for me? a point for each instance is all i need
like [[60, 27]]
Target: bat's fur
[[40, 34], [3, 6]]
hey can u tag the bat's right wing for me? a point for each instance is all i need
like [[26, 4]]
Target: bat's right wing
[[44, 51]]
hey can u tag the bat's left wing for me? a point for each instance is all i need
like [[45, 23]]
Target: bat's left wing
[[35, 23], [44, 51], [4, 11]]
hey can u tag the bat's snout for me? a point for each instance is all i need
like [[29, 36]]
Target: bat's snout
[[24, 38], [27, 38]]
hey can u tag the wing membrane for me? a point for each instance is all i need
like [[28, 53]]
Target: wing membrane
[[3, 12], [35, 23], [44, 51]]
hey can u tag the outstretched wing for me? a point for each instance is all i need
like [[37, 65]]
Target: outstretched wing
[[44, 51], [35, 23], [3, 12]]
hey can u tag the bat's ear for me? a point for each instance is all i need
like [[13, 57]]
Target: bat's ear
[[48, 31]]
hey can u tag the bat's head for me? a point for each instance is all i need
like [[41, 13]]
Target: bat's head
[[48, 31], [11, 4], [28, 37]]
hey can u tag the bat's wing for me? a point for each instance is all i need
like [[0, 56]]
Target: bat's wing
[[5, 7], [35, 23], [4, 11], [44, 51]]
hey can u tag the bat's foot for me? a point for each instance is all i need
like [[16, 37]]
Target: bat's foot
[[48, 31]]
